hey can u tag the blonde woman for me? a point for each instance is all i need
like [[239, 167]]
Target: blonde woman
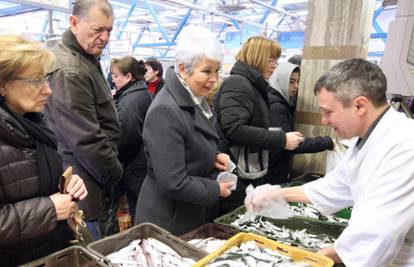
[[32, 212], [242, 108]]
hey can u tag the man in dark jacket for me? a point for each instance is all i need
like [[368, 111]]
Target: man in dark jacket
[[282, 98], [81, 111]]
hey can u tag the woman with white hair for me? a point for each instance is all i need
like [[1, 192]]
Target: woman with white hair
[[180, 191]]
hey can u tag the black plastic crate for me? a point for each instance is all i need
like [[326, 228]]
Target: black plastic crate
[[75, 256], [215, 230], [113, 243]]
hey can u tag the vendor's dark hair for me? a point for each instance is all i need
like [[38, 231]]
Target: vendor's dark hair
[[352, 78]]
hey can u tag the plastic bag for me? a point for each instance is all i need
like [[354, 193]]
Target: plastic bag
[[227, 177], [275, 207], [334, 157]]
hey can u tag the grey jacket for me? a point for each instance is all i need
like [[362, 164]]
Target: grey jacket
[[180, 190], [83, 117]]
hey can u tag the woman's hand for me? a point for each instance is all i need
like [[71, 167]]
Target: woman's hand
[[225, 188], [76, 188], [293, 140], [222, 161], [64, 205]]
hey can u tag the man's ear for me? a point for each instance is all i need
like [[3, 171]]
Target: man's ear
[[73, 21], [361, 104]]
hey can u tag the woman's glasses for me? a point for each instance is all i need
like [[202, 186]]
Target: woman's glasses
[[36, 82], [273, 62]]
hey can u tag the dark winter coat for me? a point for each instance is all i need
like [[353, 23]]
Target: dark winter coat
[[242, 108], [180, 189], [82, 115], [243, 117], [282, 116], [28, 225], [132, 102]]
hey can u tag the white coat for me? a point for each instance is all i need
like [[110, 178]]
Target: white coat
[[378, 181]]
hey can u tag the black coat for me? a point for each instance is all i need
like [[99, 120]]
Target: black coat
[[282, 116], [180, 189], [243, 111], [132, 102], [242, 108], [28, 224], [82, 115]]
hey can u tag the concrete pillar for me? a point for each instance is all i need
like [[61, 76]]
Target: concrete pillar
[[336, 30]]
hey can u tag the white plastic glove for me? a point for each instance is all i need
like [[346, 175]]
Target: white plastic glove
[[267, 200]]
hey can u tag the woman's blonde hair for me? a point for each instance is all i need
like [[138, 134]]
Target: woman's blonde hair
[[257, 51], [18, 54]]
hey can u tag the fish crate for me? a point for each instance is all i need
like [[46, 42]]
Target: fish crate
[[298, 255], [343, 214], [113, 243], [215, 230], [295, 223], [75, 256]]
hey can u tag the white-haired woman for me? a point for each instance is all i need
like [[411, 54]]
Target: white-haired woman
[[180, 191]]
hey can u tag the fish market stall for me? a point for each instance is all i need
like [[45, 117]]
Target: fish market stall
[[297, 231], [245, 249], [146, 245], [209, 237]]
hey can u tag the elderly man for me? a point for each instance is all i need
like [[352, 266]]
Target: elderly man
[[81, 112], [376, 176]]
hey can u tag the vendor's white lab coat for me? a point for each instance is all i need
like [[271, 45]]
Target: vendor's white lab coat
[[378, 181]]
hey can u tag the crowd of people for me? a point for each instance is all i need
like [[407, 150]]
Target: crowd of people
[[163, 140]]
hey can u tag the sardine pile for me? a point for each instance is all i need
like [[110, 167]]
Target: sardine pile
[[250, 254], [308, 210], [287, 236], [209, 244], [148, 252]]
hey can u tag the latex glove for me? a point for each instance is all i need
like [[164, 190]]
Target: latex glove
[[222, 161], [293, 140], [263, 196], [76, 188]]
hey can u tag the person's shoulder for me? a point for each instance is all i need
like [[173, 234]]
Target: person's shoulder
[[68, 60], [237, 84]]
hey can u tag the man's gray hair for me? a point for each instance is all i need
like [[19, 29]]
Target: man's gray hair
[[81, 8], [195, 43], [352, 78]]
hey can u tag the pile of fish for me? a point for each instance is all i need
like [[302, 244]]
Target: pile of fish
[[208, 244], [148, 252], [308, 210], [250, 254], [299, 238]]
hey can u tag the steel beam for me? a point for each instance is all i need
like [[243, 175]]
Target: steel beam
[[122, 28], [215, 12], [155, 17], [267, 12], [16, 10]]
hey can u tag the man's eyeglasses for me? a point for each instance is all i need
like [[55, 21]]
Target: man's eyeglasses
[[273, 62], [35, 83]]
